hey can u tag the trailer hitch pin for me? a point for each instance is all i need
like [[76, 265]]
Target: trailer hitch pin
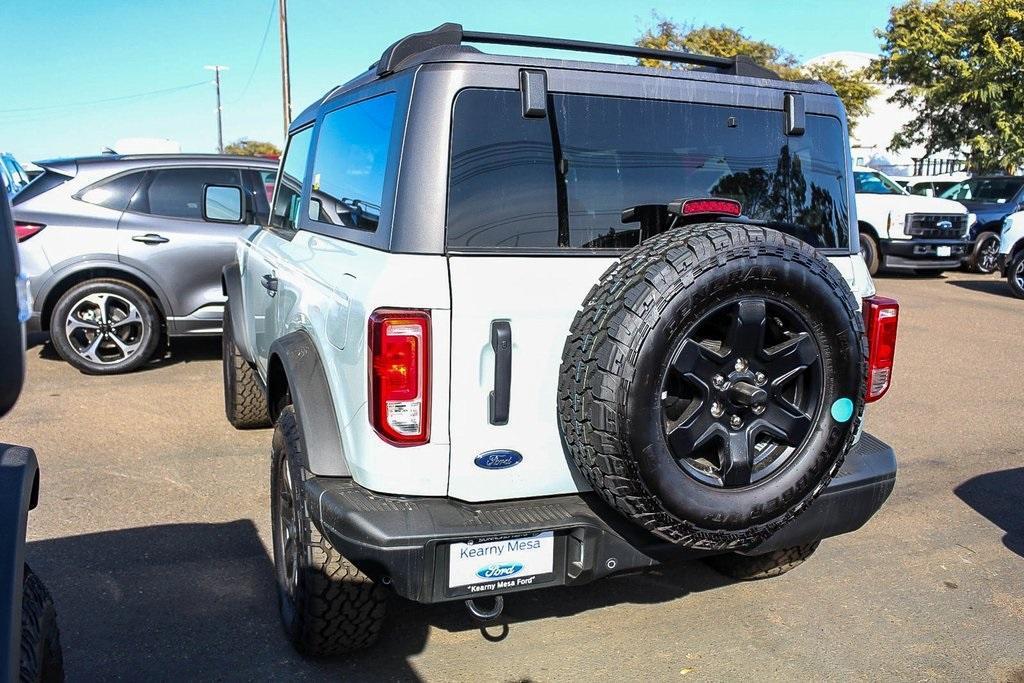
[[486, 615]]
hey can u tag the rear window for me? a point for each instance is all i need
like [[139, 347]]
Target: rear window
[[44, 182], [993, 190], [598, 172]]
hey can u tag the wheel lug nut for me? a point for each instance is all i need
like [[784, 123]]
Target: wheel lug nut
[[760, 378], [735, 421], [716, 409], [758, 409], [741, 365], [718, 381]]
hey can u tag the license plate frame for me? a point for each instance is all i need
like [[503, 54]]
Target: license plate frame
[[448, 572]]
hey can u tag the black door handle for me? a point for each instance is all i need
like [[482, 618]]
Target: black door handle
[[501, 342], [269, 283], [150, 238]]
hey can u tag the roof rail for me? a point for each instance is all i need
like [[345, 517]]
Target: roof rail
[[453, 34]]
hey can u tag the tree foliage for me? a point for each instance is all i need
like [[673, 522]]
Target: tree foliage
[[961, 63], [852, 86], [252, 148]]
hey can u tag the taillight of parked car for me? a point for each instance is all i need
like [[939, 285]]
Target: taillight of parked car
[[881, 317], [22, 231], [399, 343]]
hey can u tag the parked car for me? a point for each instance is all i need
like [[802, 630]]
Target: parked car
[[991, 199], [904, 232], [29, 637], [931, 186], [120, 253], [524, 322], [12, 175], [1010, 261]]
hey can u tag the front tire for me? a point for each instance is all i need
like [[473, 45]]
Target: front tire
[[870, 252], [984, 260], [245, 404], [105, 327], [41, 656], [766, 566], [328, 606], [1015, 275]]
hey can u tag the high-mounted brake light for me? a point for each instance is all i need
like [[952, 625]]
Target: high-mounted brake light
[[400, 375], [710, 205], [22, 231], [881, 317]]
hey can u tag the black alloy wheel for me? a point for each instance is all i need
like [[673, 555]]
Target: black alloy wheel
[[741, 392], [986, 260]]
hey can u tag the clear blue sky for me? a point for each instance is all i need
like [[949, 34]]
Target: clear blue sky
[[61, 54]]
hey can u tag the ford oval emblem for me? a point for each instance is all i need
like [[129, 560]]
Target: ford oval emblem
[[498, 460], [499, 570]]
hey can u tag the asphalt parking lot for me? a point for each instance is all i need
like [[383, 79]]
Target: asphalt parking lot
[[153, 536]]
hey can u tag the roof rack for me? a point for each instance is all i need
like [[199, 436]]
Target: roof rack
[[453, 35]]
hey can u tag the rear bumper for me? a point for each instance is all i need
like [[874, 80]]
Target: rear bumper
[[402, 540], [922, 253]]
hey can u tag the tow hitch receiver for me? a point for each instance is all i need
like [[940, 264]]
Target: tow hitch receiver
[[486, 615]]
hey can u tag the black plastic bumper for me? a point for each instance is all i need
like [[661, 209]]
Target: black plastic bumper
[[404, 540], [922, 253]]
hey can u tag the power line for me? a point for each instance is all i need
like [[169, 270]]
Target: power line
[[259, 53], [86, 103]]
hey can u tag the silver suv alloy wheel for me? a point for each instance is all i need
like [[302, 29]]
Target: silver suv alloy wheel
[[104, 328]]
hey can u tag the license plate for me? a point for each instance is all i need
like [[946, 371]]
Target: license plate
[[943, 251], [507, 563]]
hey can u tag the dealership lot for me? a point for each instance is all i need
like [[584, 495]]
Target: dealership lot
[[153, 535]]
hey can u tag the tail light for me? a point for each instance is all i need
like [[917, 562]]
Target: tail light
[[22, 231], [881, 316], [400, 376]]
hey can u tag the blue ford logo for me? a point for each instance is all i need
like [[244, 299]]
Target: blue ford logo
[[499, 570], [498, 460]]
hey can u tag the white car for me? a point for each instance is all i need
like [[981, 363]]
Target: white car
[[901, 231], [1011, 252]]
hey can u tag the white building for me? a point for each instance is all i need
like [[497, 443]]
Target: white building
[[869, 141]]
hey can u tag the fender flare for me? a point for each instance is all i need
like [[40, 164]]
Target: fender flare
[[19, 491], [40, 295], [306, 379], [231, 282]]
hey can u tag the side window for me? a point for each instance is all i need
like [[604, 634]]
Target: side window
[[502, 189], [351, 163], [289, 181], [114, 194], [178, 192]]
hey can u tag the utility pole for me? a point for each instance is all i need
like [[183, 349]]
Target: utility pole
[[217, 68], [286, 85]]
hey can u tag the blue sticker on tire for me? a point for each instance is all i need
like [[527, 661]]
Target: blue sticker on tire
[[842, 410]]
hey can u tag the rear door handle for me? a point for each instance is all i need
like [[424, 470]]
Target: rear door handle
[[501, 342], [150, 238], [269, 283]]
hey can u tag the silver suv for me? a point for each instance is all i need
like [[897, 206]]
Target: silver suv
[[121, 250]]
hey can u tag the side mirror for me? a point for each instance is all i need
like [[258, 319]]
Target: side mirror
[[13, 312], [222, 204]]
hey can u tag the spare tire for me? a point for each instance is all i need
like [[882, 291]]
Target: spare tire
[[713, 382]]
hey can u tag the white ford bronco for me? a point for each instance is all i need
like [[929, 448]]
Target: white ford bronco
[[521, 323]]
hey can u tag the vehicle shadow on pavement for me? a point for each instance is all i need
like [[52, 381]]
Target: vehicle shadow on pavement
[[153, 603], [990, 286], [997, 497], [181, 350]]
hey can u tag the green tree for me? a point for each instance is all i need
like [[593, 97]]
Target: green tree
[[961, 65], [252, 148], [852, 86]]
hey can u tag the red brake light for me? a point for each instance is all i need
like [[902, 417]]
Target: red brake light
[[400, 375], [22, 231], [881, 317], [719, 207]]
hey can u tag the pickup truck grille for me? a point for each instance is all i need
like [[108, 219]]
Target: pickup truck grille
[[934, 226]]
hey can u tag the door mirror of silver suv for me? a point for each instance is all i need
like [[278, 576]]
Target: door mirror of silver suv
[[222, 204]]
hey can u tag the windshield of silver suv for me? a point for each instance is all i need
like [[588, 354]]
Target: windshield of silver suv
[[994, 190], [867, 182]]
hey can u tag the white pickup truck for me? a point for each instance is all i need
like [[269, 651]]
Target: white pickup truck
[[905, 232]]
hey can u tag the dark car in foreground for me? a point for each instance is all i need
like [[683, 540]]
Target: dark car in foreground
[[991, 199], [121, 253]]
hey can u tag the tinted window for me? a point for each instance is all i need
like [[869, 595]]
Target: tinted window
[[178, 192], [290, 179], [114, 194], [42, 183], [618, 163], [866, 182], [351, 163], [502, 188], [994, 190]]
